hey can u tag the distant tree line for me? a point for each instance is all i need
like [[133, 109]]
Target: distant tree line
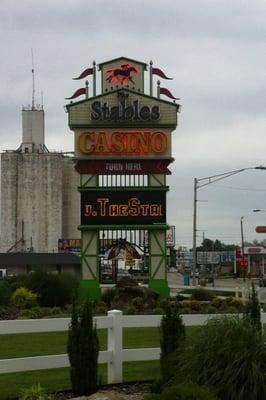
[[217, 245]]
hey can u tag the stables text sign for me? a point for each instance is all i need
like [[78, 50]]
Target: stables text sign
[[123, 112], [122, 207], [129, 109]]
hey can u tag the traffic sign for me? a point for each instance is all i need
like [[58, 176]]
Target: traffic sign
[[261, 229]]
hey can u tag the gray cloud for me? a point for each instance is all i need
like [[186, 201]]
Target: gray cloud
[[214, 50]]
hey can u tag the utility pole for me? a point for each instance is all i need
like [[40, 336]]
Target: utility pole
[[242, 245]]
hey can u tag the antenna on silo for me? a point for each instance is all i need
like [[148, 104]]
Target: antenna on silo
[[33, 82], [42, 99]]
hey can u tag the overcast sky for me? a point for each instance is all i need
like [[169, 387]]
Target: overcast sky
[[214, 49]]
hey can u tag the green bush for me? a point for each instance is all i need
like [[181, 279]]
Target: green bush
[[195, 305], [131, 310], [211, 309], [202, 295], [24, 298], [54, 290], [235, 302], [157, 311], [83, 350], [8, 312], [172, 334], [252, 309], [188, 391], [185, 310], [108, 296], [218, 303], [228, 354], [5, 293], [100, 308], [164, 304], [32, 313], [36, 392], [138, 303]]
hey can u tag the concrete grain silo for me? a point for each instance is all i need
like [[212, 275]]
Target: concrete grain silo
[[39, 197]]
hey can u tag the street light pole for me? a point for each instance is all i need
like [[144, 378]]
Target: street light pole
[[199, 183], [194, 232], [242, 245]]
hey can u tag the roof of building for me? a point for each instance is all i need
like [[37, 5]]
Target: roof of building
[[39, 258]]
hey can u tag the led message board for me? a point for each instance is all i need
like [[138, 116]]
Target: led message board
[[123, 207]]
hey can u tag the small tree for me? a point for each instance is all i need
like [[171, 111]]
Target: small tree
[[83, 350], [172, 333], [252, 310]]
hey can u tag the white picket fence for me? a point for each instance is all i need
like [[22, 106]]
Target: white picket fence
[[114, 356]]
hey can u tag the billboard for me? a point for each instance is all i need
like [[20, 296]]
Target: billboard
[[69, 245], [123, 207]]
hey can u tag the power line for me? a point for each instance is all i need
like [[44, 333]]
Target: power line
[[237, 188]]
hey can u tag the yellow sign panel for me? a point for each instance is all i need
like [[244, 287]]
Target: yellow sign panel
[[123, 143]]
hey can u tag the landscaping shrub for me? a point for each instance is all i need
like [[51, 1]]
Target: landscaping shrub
[[157, 311], [17, 281], [202, 295], [125, 294], [195, 305], [184, 391], [138, 303], [100, 308], [180, 297], [108, 296], [8, 312], [5, 293], [218, 303], [252, 309], [185, 310], [83, 350], [172, 333], [54, 290], [211, 310], [164, 304], [228, 354], [130, 310], [36, 392], [235, 302], [24, 298], [34, 312]]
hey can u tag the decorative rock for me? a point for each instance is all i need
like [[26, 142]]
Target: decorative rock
[[110, 395]]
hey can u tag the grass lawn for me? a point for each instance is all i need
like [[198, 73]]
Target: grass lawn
[[23, 345]]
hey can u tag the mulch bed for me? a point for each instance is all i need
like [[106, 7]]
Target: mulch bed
[[125, 389]]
